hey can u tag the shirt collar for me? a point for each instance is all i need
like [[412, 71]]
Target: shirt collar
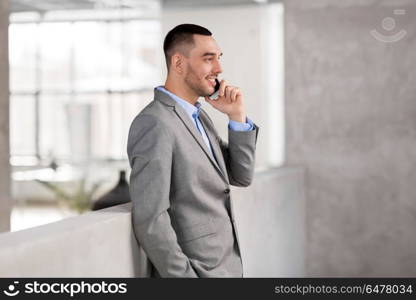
[[191, 110]]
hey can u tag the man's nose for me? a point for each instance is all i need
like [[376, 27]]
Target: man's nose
[[217, 67]]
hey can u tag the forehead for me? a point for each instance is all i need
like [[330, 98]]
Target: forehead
[[204, 44]]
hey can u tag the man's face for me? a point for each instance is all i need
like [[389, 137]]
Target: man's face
[[202, 65]]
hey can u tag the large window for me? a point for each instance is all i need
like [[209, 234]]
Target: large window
[[76, 86]]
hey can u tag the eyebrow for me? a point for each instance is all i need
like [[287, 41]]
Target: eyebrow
[[210, 54]]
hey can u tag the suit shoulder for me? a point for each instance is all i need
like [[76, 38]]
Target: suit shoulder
[[149, 128], [153, 115]]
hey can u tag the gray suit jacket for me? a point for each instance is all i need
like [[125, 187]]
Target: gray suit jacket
[[182, 215]]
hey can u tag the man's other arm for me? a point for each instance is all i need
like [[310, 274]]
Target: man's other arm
[[239, 152]]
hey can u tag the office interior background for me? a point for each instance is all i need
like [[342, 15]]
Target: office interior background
[[329, 83]]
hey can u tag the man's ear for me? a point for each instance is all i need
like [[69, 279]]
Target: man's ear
[[177, 63]]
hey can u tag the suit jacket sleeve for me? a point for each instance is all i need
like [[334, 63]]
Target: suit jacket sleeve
[[239, 155], [150, 156]]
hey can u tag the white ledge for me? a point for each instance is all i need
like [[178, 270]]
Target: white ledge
[[270, 222]]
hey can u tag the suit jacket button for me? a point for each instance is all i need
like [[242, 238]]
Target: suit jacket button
[[226, 191]]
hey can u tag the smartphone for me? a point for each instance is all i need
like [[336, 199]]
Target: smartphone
[[214, 95]]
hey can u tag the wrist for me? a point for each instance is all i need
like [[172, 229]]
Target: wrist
[[241, 118]]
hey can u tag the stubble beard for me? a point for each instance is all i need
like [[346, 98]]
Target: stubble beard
[[194, 83]]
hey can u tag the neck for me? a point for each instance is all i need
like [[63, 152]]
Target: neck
[[181, 90]]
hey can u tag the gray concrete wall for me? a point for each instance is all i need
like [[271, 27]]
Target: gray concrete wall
[[270, 222], [5, 198], [351, 121]]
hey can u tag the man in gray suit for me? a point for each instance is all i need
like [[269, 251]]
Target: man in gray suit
[[182, 170]]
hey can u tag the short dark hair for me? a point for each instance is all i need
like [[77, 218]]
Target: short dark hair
[[181, 34]]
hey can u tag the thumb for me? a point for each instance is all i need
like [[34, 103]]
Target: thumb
[[209, 101]]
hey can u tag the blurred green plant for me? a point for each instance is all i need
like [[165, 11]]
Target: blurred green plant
[[80, 200]]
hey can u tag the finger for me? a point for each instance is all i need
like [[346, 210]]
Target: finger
[[211, 102], [208, 99], [239, 96], [228, 91], [222, 88], [234, 94]]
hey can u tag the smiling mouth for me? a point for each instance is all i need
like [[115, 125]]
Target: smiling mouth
[[212, 81]]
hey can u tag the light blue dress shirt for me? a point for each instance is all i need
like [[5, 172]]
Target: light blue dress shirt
[[193, 112]]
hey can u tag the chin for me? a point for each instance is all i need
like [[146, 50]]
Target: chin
[[206, 92]]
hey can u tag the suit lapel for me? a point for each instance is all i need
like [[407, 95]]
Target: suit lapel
[[197, 136], [214, 142]]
